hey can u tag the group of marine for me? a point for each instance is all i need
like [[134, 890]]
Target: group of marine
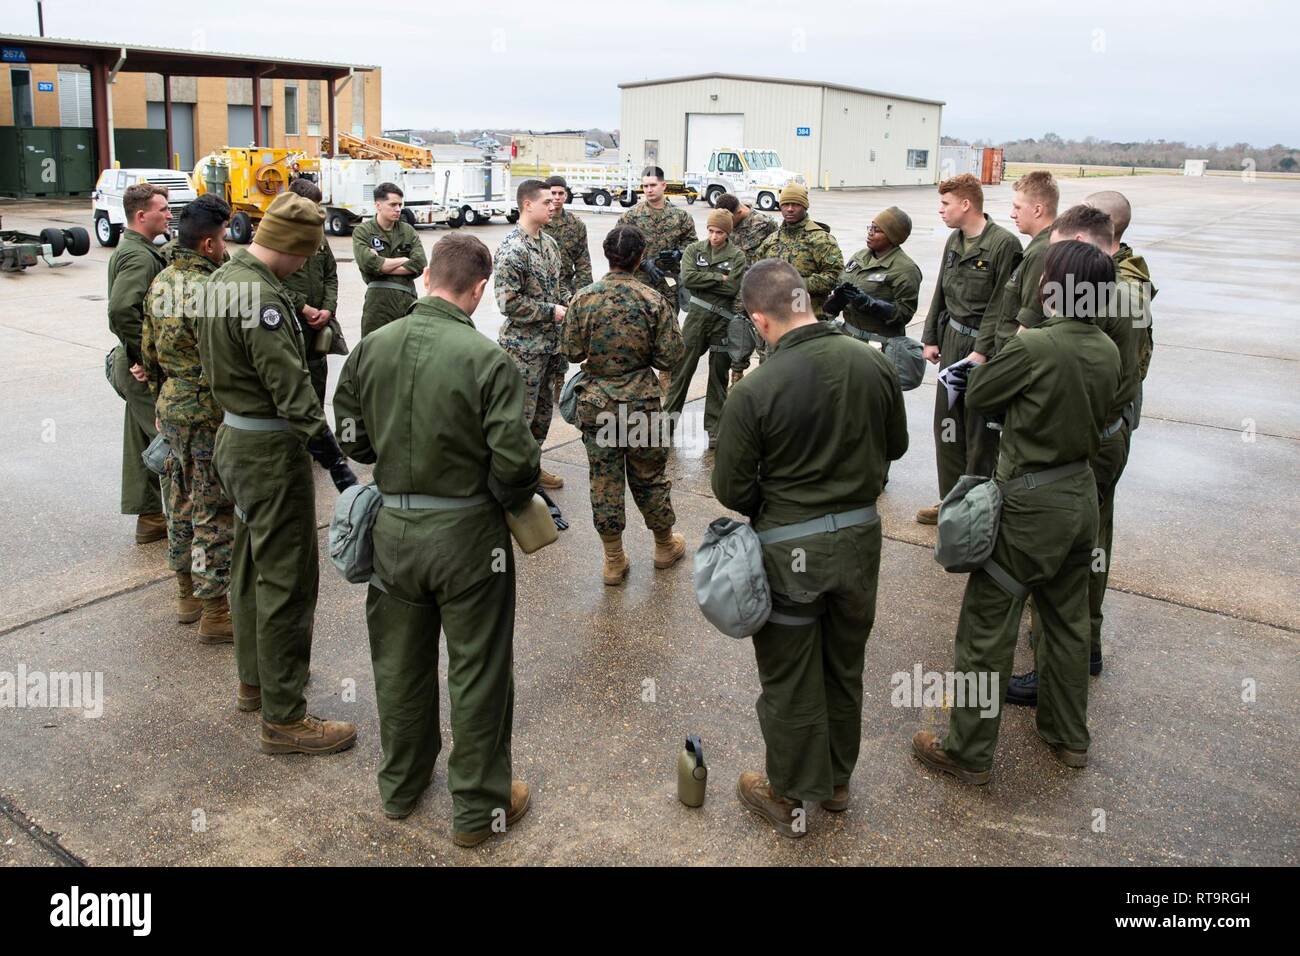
[[224, 355]]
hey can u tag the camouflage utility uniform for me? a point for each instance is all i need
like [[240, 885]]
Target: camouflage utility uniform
[[664, 229], [527, 284], [814, 253], [575, 259], [200, 518], [621, 331]]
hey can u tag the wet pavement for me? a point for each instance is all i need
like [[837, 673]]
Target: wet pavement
[[1193, 721]]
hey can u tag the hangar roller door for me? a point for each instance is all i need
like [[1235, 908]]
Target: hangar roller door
[[705, 132]]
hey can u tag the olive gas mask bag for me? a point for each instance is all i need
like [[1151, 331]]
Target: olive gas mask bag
[[569, 397], [351, 542]]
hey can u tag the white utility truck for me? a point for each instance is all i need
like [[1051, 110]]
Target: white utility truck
[[106, 200], [754, 176]]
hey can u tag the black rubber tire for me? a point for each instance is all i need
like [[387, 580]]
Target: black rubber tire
[[77, 241], [601, 198], [512, 216], [767, 202], [241, 228], [456, 221], [712, 196], [54, 239], [106, 232], [627, 199], [470, 216]]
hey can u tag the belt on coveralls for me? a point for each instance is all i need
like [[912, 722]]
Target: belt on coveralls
[[391, 284]]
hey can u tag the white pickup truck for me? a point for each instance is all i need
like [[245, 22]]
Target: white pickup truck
[[107, 198], [752, 175]]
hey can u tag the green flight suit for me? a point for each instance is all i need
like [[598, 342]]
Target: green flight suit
[[388, 297], [713, 277], [317, 284], [1127, 327], [813, 251], [438, 408], [1020, 305], [789, 451], [134, 265], [970, 279], [1056, 383], [255, 358], [1131, 266], [893, 277]]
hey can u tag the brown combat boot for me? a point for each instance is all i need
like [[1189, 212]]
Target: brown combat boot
[[1074, 759], [928, 515], [248, 697], [756, 794], [839, 801], [188, 607], [669, 548], [214, 625], [616, 564], [549, 481], [519, 799], [311, 735], [152, 527], [929, 750]]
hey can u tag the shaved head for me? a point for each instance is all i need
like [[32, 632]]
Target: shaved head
[[1114, 205]]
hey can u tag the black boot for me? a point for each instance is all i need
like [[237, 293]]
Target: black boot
[[1023, 689], [1094, 663]]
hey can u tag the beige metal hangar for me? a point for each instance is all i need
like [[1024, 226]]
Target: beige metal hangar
[[837, 136]]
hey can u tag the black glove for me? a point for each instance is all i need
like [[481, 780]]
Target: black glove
[[324, 448], [653, 271], [554, 509], [668, 259], [838, 298]]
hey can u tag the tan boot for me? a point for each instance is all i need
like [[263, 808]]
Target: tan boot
[[152, 527], [214, 625], [616, 564], [669, 548], [188, 607], [519, 800], [928, 515], [248, 697], [549, 481], [311, 735], [756, 794], [929, 750]]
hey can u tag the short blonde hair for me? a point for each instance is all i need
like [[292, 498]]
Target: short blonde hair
[[1040, 186]]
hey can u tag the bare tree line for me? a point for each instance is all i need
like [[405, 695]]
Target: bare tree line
[[1159, 153]]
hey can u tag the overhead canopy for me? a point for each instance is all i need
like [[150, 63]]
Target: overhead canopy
[[106, 60]]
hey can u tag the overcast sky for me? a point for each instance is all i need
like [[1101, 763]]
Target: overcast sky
[[1194, 70]]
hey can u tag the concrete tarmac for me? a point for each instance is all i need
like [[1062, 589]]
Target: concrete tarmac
[[1193, 721]]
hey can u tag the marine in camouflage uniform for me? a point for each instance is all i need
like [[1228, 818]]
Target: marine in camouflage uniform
[[809, 247], [200, 519], [316, 284], [570, 235], [749, 234], [526, 280], [388, 296], [621, 332], [667, 228]]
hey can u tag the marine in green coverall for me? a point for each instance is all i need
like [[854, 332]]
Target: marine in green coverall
[[255, 358], [978, 259], [389, 254], [788, 453], [1125, 320], [135, 263], [1056, 383], [438, 407], [315, 291], [711, 271]]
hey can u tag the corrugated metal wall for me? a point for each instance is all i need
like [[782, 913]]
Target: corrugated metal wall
[[844, 127]]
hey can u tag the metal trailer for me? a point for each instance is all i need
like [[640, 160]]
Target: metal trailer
[[348, 186], [473, 191], [601, 184], [18, 250]]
